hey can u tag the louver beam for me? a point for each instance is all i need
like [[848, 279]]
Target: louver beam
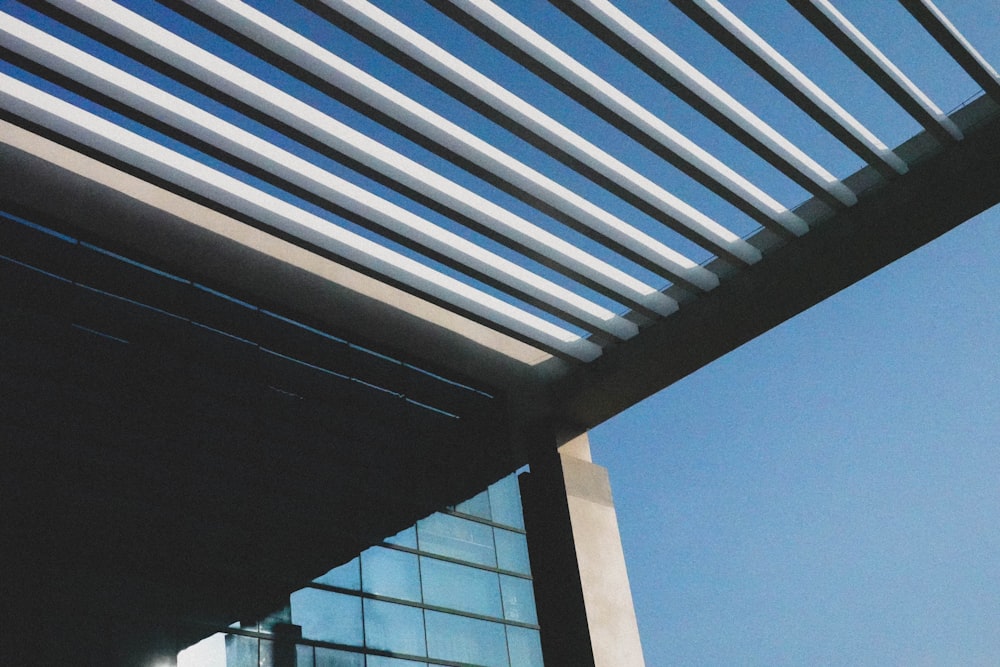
[[662, 64], [573, 258], [549, 62], [948, 36], [846, 36], [485, 265], [326, 71], [736, 36], [454, 199], [482, 94], [117, 142]]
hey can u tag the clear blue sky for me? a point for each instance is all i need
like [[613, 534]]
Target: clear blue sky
[[828, 493]]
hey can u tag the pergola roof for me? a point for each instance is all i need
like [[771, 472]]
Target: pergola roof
[[271, 144], [270, 262], [516, 180]]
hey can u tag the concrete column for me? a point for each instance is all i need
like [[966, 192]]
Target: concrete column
[[582, 591]]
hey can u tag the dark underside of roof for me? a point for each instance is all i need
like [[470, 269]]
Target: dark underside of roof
[[168, 453]]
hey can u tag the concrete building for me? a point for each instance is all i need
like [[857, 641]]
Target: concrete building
[[279, 287]]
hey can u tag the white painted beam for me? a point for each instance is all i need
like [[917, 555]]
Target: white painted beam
[[336, 71], [956, 44], [756, 52], [856, 46], [226, 77], [537, 52], [113, 140], [711, 100], [668, 208], [84, 68]]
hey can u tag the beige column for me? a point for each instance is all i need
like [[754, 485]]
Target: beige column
[[581, 586], [607, 596]]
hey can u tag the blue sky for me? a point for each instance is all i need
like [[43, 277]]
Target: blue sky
[[827, 494]]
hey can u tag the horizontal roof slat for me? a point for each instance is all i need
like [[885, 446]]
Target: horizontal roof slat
[[863, 53], [328, 72], [482, 94], [954, 42], [561, 70], [736, 36], [222, 75], [687, 82], [102, 135], [128, 89]]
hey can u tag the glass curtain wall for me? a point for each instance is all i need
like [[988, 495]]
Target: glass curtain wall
[[455, 589]]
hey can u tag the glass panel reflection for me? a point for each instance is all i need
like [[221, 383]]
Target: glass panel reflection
[[456, 571], [525, 647], [381, 661], [518, 599], [466, 640], [394, 627], [458, 538], [345, 576], [241, 651], [273, 655], [404, 538], [328, 657], [512, 551], [505, 502], [477, 506], [328, 616], [390, 573], [460, 587]]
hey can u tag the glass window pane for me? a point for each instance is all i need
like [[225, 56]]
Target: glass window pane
[[241, 651], [458, 538], [303, 656], [272, 655], [346, 576], [460, 587], [405, 538], [381, 661], [328, 657], [525, 647], [328, 616], [505, 502], [478, 506], [462, 639], [394, 627], [391, 573], [518, 599], [512, 551]]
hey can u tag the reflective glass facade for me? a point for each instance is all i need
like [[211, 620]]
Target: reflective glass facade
[[455, 589]]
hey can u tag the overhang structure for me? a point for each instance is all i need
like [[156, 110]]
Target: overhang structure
[[446, 236]]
